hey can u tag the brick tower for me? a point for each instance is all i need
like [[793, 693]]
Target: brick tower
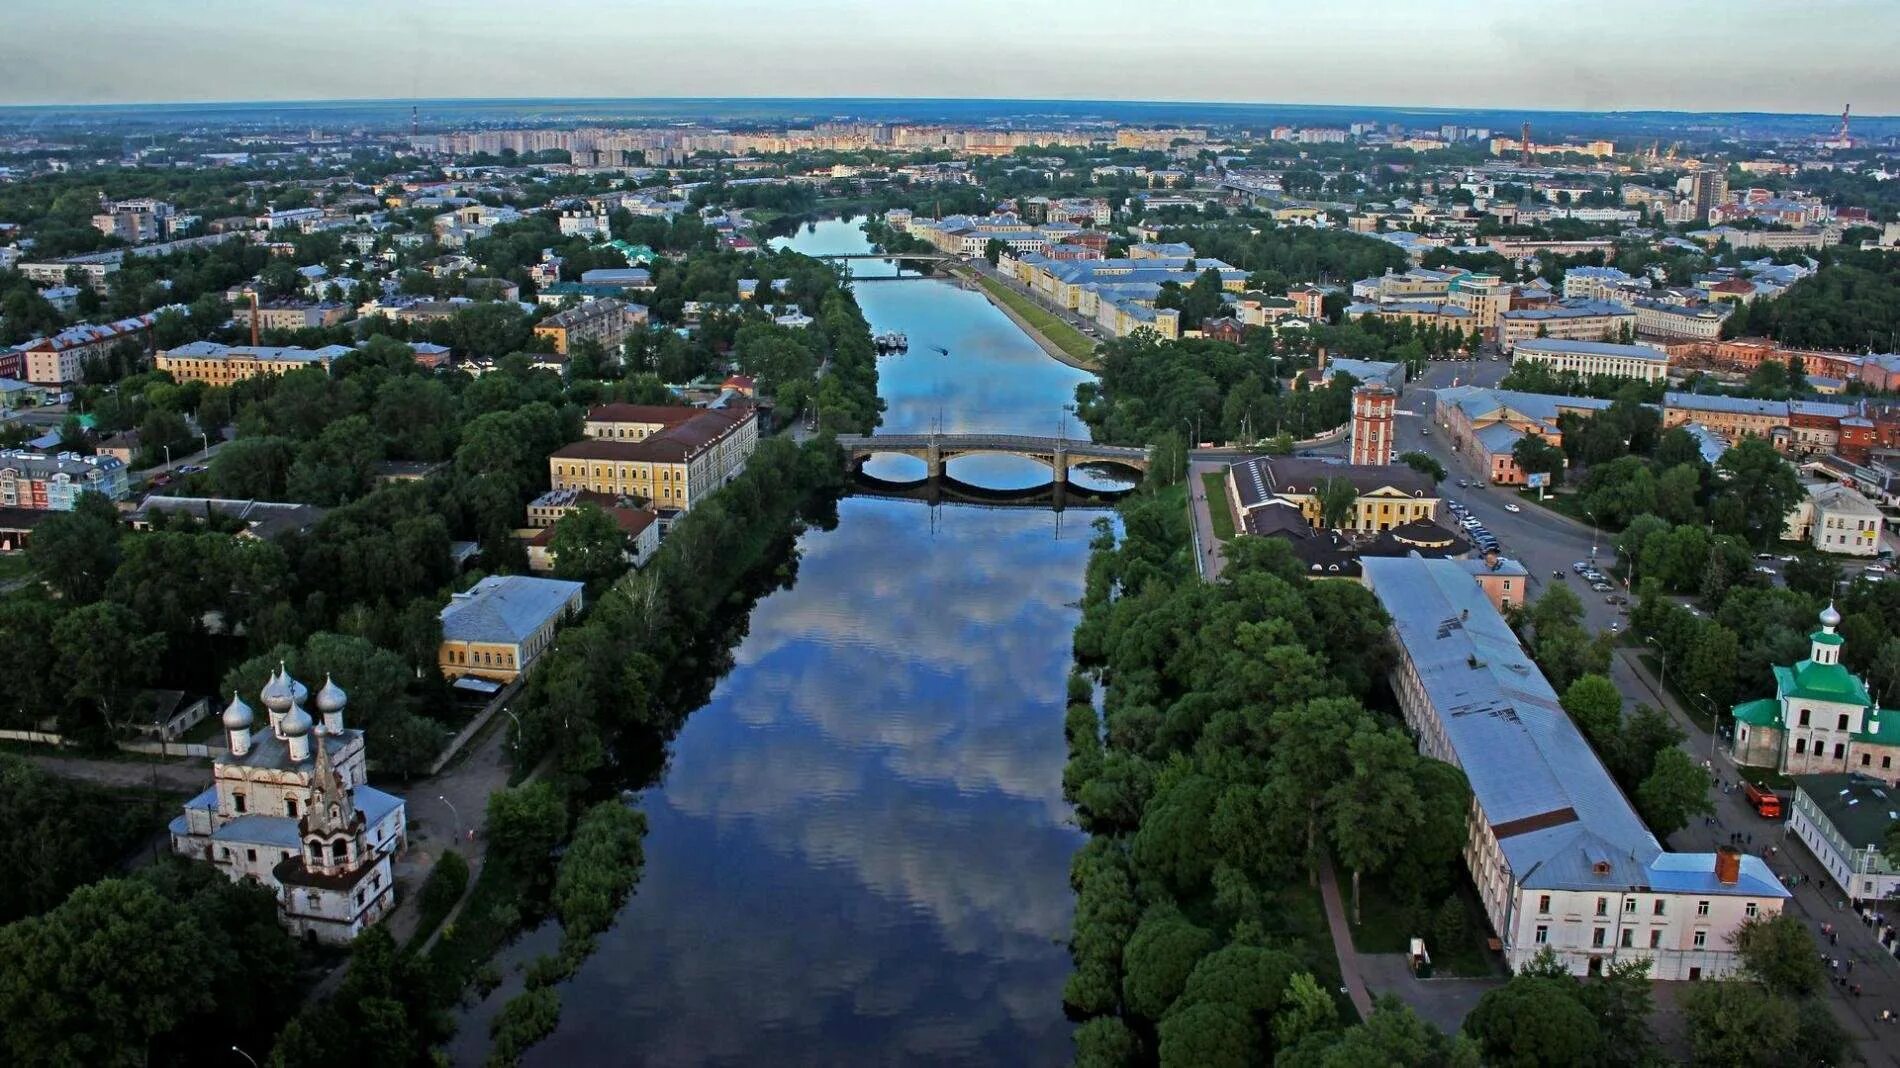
[[1373, 405]]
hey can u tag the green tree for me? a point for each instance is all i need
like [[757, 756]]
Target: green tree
[[1338, 501], [1214, 1034], [1710, 665], [588, 546], [1375, 806], [524, 825], [1675, 790], [1309, 1011], [1778, 952], [1106, 1042], [993, 250], [1535, 1020], [1425, 464], [104, 658], [1764, 487], [78, 551], [1594, 703], [1533, 455], [1160, 955], [100, 978]]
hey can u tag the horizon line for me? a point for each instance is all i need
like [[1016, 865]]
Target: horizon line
[[270, 102]]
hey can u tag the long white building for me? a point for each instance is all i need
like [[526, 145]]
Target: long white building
[[1560, 858], [1588, 358]]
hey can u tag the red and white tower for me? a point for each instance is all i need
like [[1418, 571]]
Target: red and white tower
[[1373, 406]]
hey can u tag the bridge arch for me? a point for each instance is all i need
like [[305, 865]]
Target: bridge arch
[[1060, 455]]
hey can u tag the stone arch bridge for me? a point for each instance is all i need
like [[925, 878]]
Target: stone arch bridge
[[937, 450]]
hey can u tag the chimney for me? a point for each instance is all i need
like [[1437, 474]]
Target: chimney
[[253, 318], [1321, 365], [1728, 867]]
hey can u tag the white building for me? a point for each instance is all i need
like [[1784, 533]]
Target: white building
[[1587, 358], [1835, 519], [1843, 820], [289, 807], [1560, 858], [1822, 718]]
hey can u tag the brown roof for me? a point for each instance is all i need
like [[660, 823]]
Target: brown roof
[[663, 414], [677, 443]]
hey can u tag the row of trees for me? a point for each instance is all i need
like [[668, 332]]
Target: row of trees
[[1231, 752]]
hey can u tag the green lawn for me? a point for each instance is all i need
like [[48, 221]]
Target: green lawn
[[1066, 337], [1222, 515], [14, 566]]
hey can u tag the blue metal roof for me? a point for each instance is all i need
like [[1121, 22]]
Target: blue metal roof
[[279, 832], [505, 608]]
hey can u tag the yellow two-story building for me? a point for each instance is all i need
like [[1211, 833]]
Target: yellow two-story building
[[671, 460], [501, 625]]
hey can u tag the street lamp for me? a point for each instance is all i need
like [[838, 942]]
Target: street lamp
[[1664, 653], [168, 456], [1593, 534], [517, 719], [1715, 725], [453, 810], [245, 1055]]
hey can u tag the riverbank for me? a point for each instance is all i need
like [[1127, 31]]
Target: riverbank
[[1052, 335]]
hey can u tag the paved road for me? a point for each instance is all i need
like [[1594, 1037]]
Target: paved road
[[180, 774], [1210, 556], [1543, 540], [1349, 977]]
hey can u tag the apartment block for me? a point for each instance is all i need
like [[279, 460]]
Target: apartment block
[[669, 460], [221, 365], [605, 322]]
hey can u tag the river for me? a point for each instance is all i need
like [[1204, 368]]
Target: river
[[859, 849]]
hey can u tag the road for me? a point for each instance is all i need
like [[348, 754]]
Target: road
[[1545, 542]]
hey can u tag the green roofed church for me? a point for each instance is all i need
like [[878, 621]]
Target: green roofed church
[[1821, 719]]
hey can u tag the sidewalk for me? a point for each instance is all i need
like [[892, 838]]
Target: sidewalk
[[1349, 977], [1210, 554], [1816, 900]]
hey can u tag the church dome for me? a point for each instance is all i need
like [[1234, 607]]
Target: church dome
[[238, 715], [276, 694], [1830, 616], [296, 722], [299, 693], [331, 698]]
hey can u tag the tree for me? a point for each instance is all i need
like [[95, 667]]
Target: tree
[[1597, 707], [1533, 455], [1375, 806], [1160, 955], [1309, 1010], [524, 825], [1710, 664], [1394, 1035], [588, 546], [1425, 464], [1674, 790], [1106, 1042], [1764, 487], [98, 979], [104, 658], [1338, 501], [993, 250], [78, 551], [1211, 1035], [1736, 1024], [1812, 574], [1535, 1020], [1778, 952]]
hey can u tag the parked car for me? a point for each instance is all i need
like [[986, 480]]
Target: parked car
[[1510, 506], [1602, 587], [1616, 598], [1580, 566], [1764, 569]]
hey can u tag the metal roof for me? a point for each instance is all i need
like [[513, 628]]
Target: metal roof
[[505, 608], [1560, 820]]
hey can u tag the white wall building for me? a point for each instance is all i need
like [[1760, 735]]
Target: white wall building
[[1588, 358], [1560, 858], [1843, 820], [290, 807]]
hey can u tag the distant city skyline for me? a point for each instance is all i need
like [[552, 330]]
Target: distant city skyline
[[1689, 55]]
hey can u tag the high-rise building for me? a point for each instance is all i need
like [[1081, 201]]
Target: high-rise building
[[1373, 407], [1707, 188]]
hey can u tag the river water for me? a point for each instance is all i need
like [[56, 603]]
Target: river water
[[859, 850]]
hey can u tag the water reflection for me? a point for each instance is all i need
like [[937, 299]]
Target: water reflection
[[859, 853]]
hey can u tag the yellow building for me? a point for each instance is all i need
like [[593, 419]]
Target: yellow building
[[606, 322], [1388, 495], [500, 626], [221, 365], [671, 457]]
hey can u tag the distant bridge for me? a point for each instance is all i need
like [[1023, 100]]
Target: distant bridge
[[937, 450], [926, 257]]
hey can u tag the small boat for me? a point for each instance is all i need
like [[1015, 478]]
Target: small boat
[[941, 351]]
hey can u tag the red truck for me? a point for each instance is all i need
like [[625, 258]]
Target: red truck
[[1767, 803]]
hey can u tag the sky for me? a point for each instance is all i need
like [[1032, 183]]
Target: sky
[[1698, 55]]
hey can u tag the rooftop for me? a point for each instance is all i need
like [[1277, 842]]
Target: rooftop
[[1560, 346], [506, 608], [1860, 808], [1560, 820]]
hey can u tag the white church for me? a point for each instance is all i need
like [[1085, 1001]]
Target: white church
[[290, 807]]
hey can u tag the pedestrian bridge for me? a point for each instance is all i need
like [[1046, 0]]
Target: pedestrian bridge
[[937, 450]]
